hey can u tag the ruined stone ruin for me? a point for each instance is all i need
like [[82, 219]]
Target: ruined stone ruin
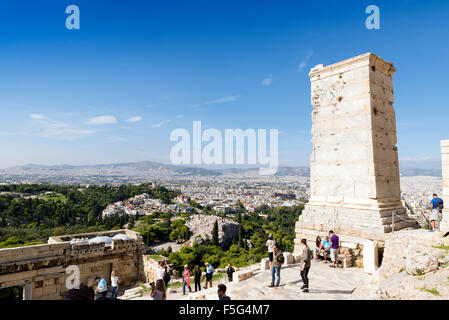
[[445, 170], [354, 163], [41, 269]]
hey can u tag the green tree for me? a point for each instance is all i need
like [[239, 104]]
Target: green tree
[[215, 240]]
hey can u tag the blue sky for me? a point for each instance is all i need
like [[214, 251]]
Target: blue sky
[[136, 70]]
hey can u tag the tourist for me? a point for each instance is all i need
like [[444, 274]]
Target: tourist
[[102, 288], [186, 280], [230, 270], [270, 244], [278, 260], [436, 205], [305, 265], [326, 248], [209, 274], [318, 247], [335, 246], [222, 292], [197, 277], [115, 280], [159, 292], [160, 270]]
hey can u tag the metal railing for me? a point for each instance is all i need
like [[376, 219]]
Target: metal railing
[[393, 214]]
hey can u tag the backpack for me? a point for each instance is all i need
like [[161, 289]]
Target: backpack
[[310, 255], [280, 258], [440, 204], [166, 276]]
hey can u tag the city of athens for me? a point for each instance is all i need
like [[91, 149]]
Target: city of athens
[[252, 152]]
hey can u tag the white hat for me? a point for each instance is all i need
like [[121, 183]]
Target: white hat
[[186, 266]]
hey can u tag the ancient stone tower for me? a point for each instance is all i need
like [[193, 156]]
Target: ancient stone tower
[[354, 163], [445, 170]]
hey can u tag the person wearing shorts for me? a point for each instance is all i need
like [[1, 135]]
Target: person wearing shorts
[[270, 244], [435, 214], [335, 248]]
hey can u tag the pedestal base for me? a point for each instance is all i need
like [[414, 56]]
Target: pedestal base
[[353, 226]]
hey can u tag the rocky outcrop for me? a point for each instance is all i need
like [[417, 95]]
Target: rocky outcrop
[[201, 227], [415, 266]]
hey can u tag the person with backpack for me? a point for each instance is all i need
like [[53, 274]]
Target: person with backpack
[[437, 206], [278, 260], [306, 258]]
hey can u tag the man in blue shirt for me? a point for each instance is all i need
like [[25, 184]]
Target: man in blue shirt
[[102, 287], [326, 248], [435, 215], [209, 274]]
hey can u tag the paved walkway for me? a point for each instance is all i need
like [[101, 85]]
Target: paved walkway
[[325, 284]]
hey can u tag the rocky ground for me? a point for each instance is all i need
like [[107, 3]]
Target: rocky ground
[[415, 267]]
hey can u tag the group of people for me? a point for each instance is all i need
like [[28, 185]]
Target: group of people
[[329, 247], [102, 286], [198, 274]]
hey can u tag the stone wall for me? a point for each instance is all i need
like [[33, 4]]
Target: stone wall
[[150, 267], [445, 196], [44, 266], [354, 185]]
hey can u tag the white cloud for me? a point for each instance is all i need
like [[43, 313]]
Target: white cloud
[[160, 124], [134, 119], [180, 116], [58, 130], [223, 100], [102, 120], [268, 81], [304, 62], [35, 116]]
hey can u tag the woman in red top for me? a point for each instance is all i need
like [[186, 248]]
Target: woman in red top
[[186, 280]]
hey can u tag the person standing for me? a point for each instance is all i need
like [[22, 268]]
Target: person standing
[[278, 260], [230, 270], [115, 280], [306, 258], [270, 244], [209, 274], [160, 271], [335, 246], [197, 277], [434, 218], [186, 280], [102, 288]]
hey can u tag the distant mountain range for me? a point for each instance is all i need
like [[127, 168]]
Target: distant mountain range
[[149, 167]]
